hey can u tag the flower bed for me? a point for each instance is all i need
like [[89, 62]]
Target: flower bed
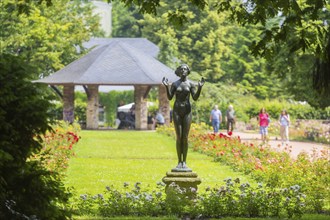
[[272, 168], [233, 199], [287, 188], [58, 147]]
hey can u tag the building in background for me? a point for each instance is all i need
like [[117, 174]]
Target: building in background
[[103, 9]]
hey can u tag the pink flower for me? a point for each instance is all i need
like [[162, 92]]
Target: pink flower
[[221, 153]]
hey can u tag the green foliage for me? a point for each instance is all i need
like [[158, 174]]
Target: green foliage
[[124, 20], [275, 169], [310, 130], [112, 99], [231, 199], [80, 106], [206, 38], [247, 107], [212, 46], [301, 18], [46, 36], [134, 160], [26, 188], [80, 111], [57, 148], [242, 199]]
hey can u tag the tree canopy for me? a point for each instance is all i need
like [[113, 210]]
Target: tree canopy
[[210, 43], [301, 27], [46, 36], [298, 27]]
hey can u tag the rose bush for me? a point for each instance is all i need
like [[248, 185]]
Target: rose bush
[[57, 147], [273, 168]]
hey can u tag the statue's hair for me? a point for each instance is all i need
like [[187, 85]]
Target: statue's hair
[[178, 70]]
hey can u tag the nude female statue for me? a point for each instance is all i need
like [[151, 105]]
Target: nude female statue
[[182, 89]]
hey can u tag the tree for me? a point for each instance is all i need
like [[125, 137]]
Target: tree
[[26, 188], [37, 37], [214, 47], [308, 20], [124, 21], [46, 36]]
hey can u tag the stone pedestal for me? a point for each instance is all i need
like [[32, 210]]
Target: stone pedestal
[[188, 181]]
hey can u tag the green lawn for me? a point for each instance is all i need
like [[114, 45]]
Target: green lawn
[[105, 158]]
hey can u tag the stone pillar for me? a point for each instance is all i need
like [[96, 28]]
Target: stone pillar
[[92, 116], [164, 103], [68, 103], [141, 107]]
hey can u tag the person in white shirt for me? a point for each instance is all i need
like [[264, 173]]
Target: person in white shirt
[[284, 121], [216, 118], [159, 119]]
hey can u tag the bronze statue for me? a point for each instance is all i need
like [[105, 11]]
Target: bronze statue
[[182, 89]]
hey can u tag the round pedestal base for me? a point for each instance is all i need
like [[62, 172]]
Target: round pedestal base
[[188, 181]]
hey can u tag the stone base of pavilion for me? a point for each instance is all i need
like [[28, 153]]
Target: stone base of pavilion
[[185, 181]]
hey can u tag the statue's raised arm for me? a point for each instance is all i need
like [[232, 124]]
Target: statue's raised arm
[[195, 94], [169, 91]]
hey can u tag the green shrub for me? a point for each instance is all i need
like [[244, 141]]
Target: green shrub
[[275, 169], [234, 199], [57, 147], [80, 106], [27, 190]]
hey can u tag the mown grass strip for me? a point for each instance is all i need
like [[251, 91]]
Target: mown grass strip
[[105, 158]]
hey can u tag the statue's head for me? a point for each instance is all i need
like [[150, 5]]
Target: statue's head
[[181, 69]]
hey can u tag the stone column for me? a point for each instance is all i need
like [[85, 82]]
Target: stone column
[[141, 107], [68, 103], [92, 116], [164, 103]]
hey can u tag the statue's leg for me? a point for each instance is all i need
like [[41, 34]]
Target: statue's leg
[[185, 133], [178, 131]]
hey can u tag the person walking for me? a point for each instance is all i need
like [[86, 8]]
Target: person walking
[[284, 121], [216, 118], [264, 120], [230, 119]]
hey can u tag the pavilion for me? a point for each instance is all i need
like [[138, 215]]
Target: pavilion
[[114, 61]]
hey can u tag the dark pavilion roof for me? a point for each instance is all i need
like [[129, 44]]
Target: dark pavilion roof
[[114, 61]]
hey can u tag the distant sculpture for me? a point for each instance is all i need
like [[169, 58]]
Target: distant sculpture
[[182, 89]]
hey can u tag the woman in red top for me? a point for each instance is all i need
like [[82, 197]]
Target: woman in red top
[[263, 123]]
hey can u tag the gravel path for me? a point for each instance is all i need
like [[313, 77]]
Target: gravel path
[[293, 147]]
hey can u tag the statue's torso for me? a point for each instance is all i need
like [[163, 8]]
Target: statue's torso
[[182, 104]]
